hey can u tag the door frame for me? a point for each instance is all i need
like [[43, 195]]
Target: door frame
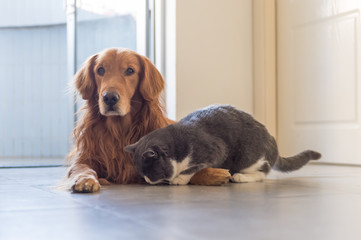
[[265, 63]]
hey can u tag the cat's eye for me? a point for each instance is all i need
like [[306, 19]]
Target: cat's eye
[[129, 71], [101, 71], [150, 154]]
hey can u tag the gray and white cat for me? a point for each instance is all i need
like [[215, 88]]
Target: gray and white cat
[[218, 136]]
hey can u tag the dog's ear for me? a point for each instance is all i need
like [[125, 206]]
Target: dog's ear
[[152, 82], [84, 80]]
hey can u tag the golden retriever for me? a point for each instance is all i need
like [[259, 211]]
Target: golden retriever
[[122, 92]]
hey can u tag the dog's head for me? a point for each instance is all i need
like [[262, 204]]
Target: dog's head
[[113, 77]]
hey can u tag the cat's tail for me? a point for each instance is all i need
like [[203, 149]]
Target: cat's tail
[[296, 162]]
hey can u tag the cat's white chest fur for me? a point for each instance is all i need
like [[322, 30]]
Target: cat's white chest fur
[[178, 167]]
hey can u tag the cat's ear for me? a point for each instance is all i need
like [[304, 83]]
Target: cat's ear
[[131, 148], [150, 154]]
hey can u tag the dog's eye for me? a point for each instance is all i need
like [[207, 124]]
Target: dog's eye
[[101, 71], [129, 71]]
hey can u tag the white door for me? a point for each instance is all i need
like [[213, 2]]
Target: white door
[[319, 100]]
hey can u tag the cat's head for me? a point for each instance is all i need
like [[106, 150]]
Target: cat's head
[[151, 159]]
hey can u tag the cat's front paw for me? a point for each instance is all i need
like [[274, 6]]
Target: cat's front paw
[[181, 180], [248, 177]]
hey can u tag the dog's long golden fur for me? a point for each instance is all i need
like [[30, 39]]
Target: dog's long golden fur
[[105, 129]]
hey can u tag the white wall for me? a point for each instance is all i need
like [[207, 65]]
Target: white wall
[[213, 54]]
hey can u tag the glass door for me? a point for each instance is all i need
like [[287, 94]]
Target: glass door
[[96, 25], [42, 44]]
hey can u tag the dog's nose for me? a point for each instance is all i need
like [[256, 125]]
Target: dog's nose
[[110, 98]]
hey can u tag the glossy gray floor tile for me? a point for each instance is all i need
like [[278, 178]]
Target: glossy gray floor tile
[[317, 202]]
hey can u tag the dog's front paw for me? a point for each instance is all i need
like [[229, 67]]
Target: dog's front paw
[[181, 180], [85, 184], [211, 177]]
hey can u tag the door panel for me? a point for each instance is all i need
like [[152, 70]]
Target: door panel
[[318, 78]]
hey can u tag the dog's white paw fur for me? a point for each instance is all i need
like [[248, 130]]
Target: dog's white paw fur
[[86, 184]]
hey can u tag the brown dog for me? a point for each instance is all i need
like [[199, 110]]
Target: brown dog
[[122, 90]]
